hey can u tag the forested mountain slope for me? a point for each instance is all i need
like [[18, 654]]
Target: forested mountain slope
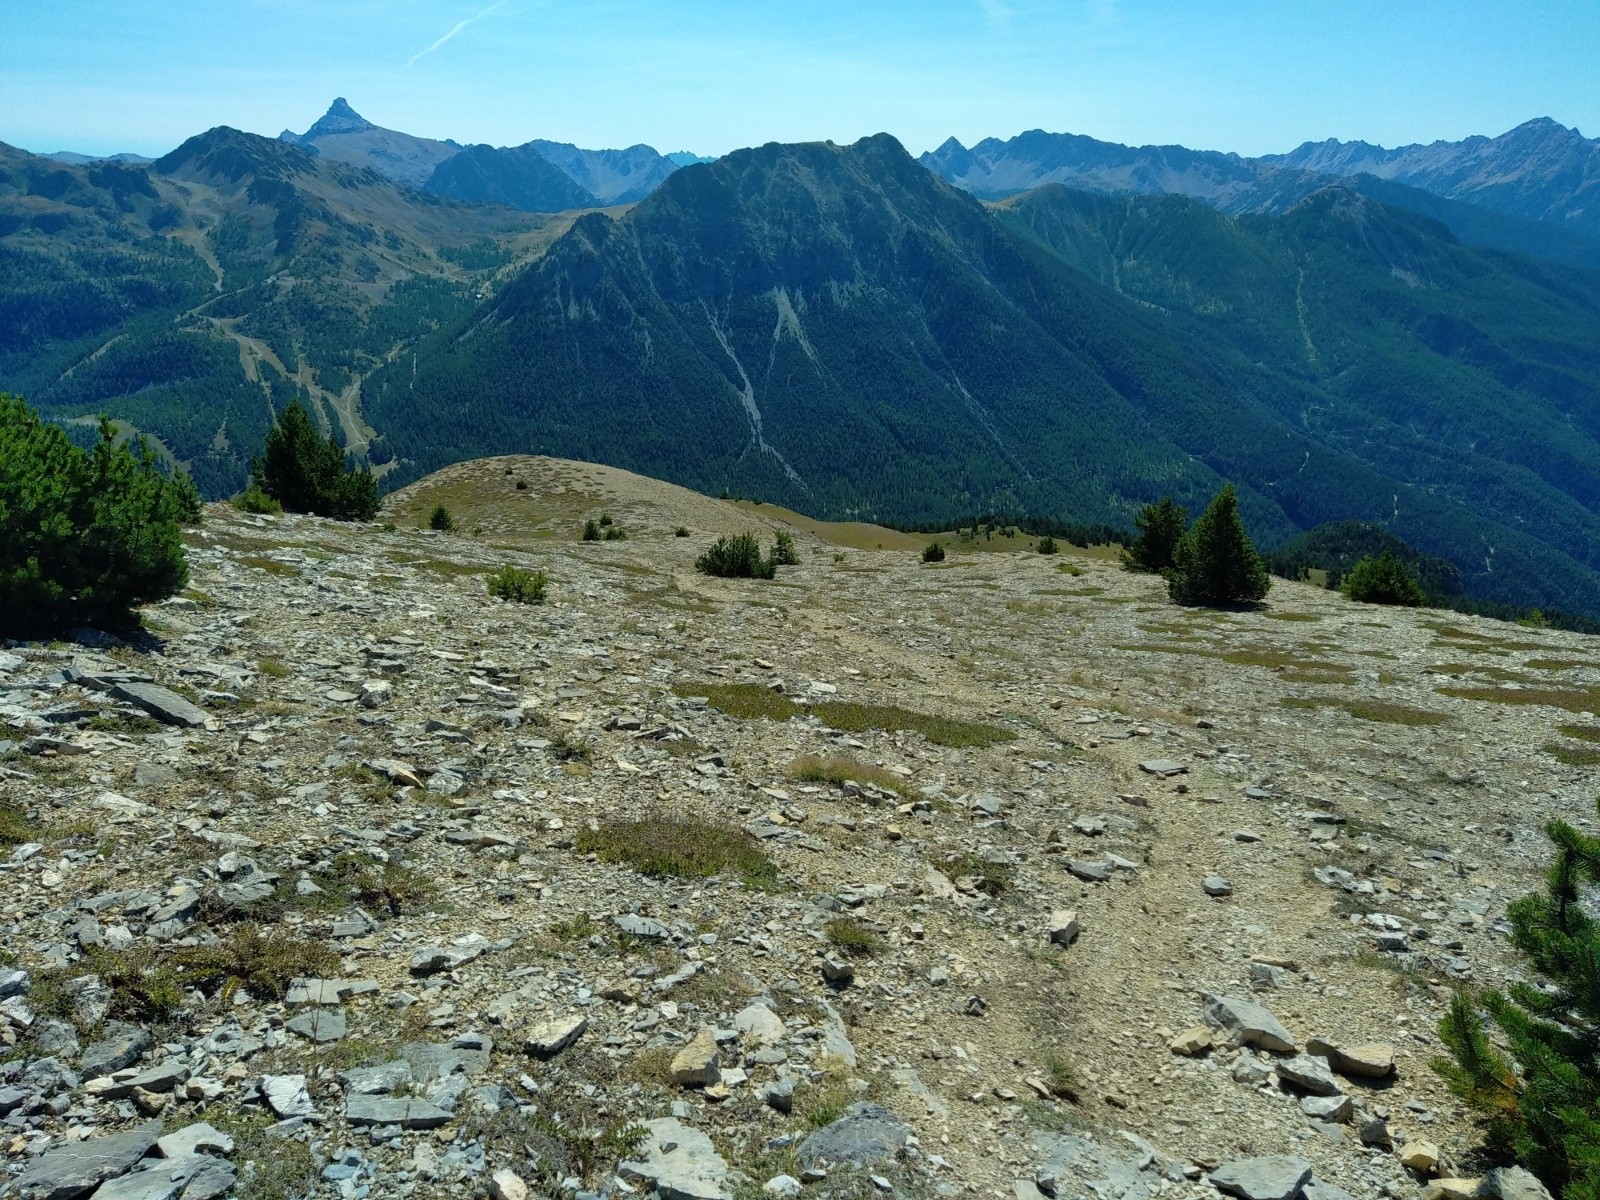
[[1472, 373], [193, 296]]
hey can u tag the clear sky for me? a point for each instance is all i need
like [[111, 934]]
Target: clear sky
[[1253, 76]]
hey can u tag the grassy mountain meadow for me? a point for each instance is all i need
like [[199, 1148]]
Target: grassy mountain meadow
[[836, 329]]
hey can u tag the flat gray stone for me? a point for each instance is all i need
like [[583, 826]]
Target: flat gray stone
[[1272, 1177], [121, 1046], [640, 927], [1089, 872], [194, 1139], [467, 1054], [758, 1025], [1327, 1108], [1309, 1074], [405, 1111], [163, 705], [286, 1095], [373, 1081], [1074, 1166], [319, 1024], [75, 1169], [1163, 767], [867, 1133], [1321, 1189], [679, 1162], [1249, 1023]]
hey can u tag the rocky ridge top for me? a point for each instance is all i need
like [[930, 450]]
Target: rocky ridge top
[[1187, 930]]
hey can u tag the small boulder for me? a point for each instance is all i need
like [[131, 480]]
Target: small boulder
[[867, 1133], [1192, 1042], [1309, 1074], [1249, 1023], [1064, 926], [1272, 1177], [1420, 1156], [696, 1064], [553, 1036]]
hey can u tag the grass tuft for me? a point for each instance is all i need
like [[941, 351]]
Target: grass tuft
[[673, 847], [746, 701], [852, 936], [942, 731], [1571, 699], [837, 768]]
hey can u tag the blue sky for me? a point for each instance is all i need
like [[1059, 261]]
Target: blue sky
[[1253, 76]]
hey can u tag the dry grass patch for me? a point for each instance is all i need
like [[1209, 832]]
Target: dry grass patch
[[839, 768], [1393, 714], [1584, 733], [746, 701], [1559, 664], [1571, 699], [672, 847], [942, 731], [1371, 710], [264, 963], [270, 565], [1291, 616], [1574, 755]]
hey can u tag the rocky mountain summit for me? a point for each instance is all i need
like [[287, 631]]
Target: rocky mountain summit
[[997, 876]]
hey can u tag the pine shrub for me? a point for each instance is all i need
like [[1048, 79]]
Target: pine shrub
[[681, 531], [736, 557], [1160, 527], [933, 552], [254, 500], [84, 535], [519, 586], [783, 551], [440, 519], [307, 473], [1215, 563], [614, 533], [1382, 579], [1047, 545], [1540, 1096], [591, 530]]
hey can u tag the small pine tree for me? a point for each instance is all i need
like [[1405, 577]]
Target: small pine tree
[[1047, 545], [591, 530], [1215, 563], [440, 519], [783, 551], [933, 552], [518, 586], [737, 557], [1160, 527], [605, 520], [1382, 579], [681, 531], [307, 473], [1541, 1096], [84, 535]]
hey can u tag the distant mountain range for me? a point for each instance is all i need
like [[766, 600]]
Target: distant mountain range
[[1535, 189], [841, 330], [537, 176]]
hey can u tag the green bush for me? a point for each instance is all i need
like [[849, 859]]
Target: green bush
[[591, 530], [1047, 545], [1215, 563], [1382, 579], [681, 531], [84, 535], [933, 552], [1160, 527], [517, 585], [614, 533], [783, 551], [254, 500], [605, 520], [736, 557], [308, 474], [440, 519], [1540, 1096]]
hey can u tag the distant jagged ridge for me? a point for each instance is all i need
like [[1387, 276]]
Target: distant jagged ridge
[[1535, 189], [537, 176]]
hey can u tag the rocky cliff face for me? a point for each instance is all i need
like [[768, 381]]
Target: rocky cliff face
[[1000, 875]]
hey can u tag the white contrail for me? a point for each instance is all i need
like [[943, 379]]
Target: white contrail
[[454, 29]]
